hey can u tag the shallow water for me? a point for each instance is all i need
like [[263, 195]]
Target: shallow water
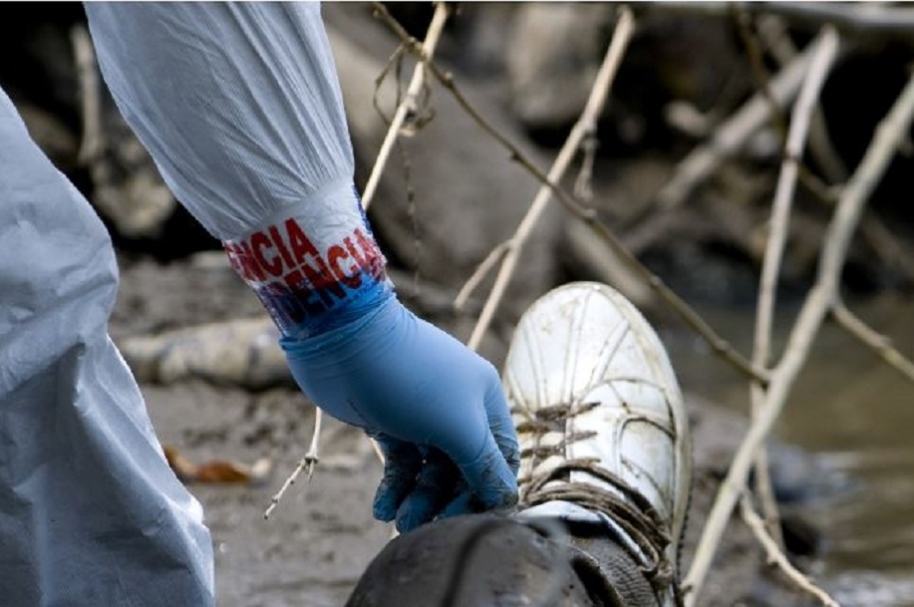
[[856, 416]]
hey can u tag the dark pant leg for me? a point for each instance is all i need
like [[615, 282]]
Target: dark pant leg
[[487, 560]]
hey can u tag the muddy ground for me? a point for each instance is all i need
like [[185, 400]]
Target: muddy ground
[[321, 538]]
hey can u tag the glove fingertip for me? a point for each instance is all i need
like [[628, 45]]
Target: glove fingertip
[[510, 450], [404, 524], [491, 479], [415, 510], [502, 425], [462, 504], [383, 508]]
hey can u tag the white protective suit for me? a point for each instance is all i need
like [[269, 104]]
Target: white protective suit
[[240, 107]]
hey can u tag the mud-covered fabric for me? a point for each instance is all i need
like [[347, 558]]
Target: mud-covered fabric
[[240, 108], [90, 512]]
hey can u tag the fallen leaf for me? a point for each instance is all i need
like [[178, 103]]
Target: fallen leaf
[[216, 471]]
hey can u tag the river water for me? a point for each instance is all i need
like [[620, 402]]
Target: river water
[[855, 415]]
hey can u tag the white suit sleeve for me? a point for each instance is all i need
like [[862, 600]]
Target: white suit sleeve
[[90, 512], [240, 107]]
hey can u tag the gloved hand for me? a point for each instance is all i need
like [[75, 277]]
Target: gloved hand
[[436, 408]]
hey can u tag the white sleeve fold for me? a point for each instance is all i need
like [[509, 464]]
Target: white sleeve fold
[[238, 104]]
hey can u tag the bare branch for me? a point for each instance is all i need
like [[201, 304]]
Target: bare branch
[[644, 226], [851, 18], [479, 274], [93, 141], [311, 458], [446, 79], [889, 135], [407, 104], [730, 137], [878, 343], [585, 126], [819, 140], [718, 344], [774, 250], [774, 32], [872, 229], [777, 557], [753, 48], [587, 215]]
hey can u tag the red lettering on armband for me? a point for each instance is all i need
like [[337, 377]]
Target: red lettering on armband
[[259, 242], [359, 260], [281, 246], [293, 278], [322, 281], [249, 263], [301, 245], [334, 254], [373, 256]]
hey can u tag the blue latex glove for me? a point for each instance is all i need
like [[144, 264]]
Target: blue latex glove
[[436, 408]]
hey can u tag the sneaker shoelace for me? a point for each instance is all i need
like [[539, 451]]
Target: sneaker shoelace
[[627, 507]]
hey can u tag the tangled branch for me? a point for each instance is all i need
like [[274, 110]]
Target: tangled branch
[[777, 557], [583, 129], [777, 238], [587, 215], [878, 343], [406, 105], [819, 302]]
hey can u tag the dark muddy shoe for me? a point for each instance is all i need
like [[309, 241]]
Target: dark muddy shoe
[[603, 432], [479, 560]]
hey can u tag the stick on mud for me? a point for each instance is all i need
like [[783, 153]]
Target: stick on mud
[[308, 461]]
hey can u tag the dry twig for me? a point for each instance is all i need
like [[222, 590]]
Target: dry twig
[[479, 274], [777, 238], [729, 137], [446, 79], [93, 141], [752, 45], [820, 300], [407, 104], [851, 17], [311, 458], [777, 557], [872, 229], [583, 128], [773, 31], [878, 343]]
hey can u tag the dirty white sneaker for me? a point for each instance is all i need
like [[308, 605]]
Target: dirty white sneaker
[[602, 428]]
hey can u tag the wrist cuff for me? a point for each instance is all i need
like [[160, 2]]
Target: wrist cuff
[[315, 267]]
